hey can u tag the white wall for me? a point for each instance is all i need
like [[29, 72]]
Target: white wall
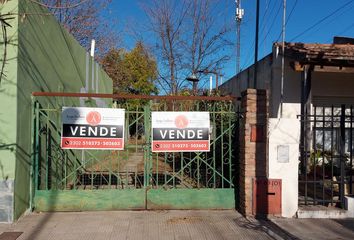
[[285, 132]]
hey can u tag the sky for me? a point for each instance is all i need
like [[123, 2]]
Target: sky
[[310, 21]]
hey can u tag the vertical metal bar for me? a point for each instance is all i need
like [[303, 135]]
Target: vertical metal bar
[[92, 179], [332, 151], [47, 153], [165, 154], [148, 162], [135, 177], [198, 158], [126, 172], [75, 175], [173, 170], [36, 165], [97, 79], [118, 170], [256, 47], [87, 72], [230, 145], [136, 128], [342, 157], [214, 145], [222, 148], [165, 165], [315, 157], [110, 172], [305, 155], [304, 128], [351, 151], [93, 74], [65, 169], [190, 167], [323, 154], [33, 136], [157, 170], [182, 160], [198, 173]]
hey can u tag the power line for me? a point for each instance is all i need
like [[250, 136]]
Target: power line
[[273, 21], [263, 22], [321, 20], [346, 29], [248, 55], [335, 19], [287, 20]]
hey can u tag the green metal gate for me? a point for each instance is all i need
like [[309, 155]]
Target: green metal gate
[[136, 178]]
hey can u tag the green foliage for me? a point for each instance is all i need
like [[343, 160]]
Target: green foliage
[[132, 72]]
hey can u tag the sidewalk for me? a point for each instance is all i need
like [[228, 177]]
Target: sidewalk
[[138, 225], [314, 228], [186, 225]]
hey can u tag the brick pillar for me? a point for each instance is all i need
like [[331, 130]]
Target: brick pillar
[[253, 144]]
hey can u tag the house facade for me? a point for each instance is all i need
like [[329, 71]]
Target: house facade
[[309, 132]]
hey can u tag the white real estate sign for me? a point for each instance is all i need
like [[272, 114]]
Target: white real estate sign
[[180, 132], [92, 128]]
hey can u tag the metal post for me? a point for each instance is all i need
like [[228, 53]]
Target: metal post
[[342, 157], [256, 47], [282, 61], [351, 151], [147, 154], [36, 147], [195, 88], [32, 175]]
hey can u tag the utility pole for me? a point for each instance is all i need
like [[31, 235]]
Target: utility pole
[[282, 59], [256, 47], [59, 8], [239, 15]]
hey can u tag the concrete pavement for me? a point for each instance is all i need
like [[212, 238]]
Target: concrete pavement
[[186, 225], [321, 229]]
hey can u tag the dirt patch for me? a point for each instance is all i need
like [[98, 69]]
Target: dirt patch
[[179, 220]]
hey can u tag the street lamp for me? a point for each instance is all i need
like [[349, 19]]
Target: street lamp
[[194, 79], [206, 71]]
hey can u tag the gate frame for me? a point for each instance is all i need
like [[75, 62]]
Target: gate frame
[[223, 196]]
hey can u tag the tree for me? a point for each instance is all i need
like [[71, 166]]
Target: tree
[[190, 39], [83, 19], [4, 24], [132, 72]]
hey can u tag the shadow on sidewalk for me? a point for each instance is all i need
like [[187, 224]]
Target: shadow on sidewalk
[[346, 223], [265, 226]]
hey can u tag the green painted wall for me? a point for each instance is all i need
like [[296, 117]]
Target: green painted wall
[[44, 58], [8, 93], [8, 113]]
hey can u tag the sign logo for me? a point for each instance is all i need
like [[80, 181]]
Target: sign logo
[[93, 118], [181, 121]]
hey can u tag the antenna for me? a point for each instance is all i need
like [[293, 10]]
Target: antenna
[[239, 15]]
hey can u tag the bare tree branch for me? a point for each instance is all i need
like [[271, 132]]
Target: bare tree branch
[[4, 25], [189, 37], [60, 7], [84, 20]]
